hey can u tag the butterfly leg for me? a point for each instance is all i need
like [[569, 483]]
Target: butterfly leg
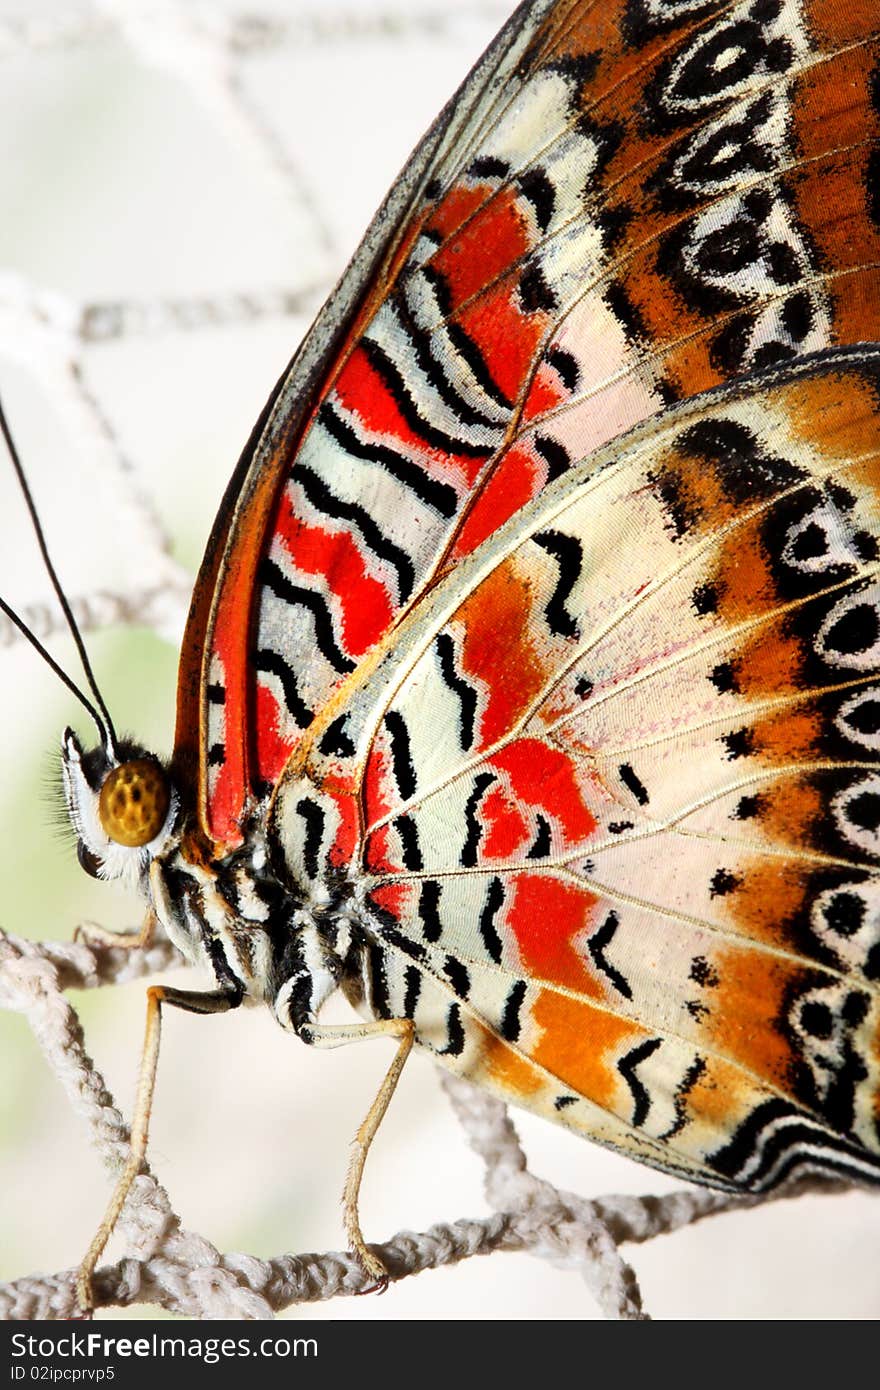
[[217, 1001], [336, 1035], [93, 935]]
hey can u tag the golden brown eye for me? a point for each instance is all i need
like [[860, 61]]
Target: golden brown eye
[[134, 802]]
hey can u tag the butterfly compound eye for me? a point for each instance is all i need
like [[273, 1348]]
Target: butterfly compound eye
[[134, 802]]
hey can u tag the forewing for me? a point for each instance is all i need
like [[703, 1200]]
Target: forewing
[[614, 799], [628, 203], [239, 708]]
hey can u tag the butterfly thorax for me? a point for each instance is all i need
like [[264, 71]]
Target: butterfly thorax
[[266, 938]]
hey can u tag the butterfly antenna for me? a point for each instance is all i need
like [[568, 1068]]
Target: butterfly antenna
[[102, 720], [59, 671]]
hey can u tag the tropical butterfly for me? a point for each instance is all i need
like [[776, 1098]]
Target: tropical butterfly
[[529, 694]]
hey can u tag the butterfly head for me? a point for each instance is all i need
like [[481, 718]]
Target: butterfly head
[[122, 806]]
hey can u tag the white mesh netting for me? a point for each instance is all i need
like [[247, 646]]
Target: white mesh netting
[[213, 156]]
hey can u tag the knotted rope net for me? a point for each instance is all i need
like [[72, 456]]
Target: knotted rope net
[[183, 1272], [55, 336]]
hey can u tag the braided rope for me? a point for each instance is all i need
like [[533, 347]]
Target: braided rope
[[184, 1273]]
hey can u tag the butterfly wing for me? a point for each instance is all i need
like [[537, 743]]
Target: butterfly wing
[[619, 790], [625, 205]]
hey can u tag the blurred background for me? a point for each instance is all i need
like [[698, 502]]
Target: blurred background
[[182, 183]]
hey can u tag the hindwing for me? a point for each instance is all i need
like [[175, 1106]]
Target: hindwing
[[613, 795]]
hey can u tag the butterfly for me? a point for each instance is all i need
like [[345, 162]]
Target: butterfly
[[529, 693]]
